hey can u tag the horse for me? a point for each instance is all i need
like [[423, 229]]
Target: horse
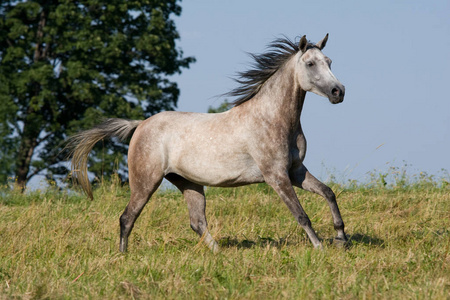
[[260, 139]]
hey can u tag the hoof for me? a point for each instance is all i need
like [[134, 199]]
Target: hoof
[[214, 247], [318, 247], [341, 243], [215, 250], [211, 243]]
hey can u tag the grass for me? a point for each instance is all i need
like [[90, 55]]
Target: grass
[[62, 246]]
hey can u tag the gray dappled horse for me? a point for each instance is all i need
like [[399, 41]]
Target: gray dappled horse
[[259, 140]]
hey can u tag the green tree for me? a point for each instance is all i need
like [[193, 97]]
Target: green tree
[[224, 106], [65, 65]]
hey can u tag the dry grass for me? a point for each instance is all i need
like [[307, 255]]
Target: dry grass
[[55, 245]]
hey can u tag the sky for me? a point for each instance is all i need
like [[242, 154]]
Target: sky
[[392, 56]]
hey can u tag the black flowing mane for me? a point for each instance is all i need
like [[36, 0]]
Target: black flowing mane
[[265, 65]]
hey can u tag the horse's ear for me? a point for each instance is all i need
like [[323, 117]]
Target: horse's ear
[[303, 43], [322, 43]]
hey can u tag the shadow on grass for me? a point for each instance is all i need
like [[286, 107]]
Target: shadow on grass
[[359, 238], [354, 239], [230, 242]]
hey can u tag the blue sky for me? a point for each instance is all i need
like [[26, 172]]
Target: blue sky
[[392, 56]]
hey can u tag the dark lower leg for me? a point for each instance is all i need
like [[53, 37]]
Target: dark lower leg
[[335, 213], [127, 220], [310, 183]]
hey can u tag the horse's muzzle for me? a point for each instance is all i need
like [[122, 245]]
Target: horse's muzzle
[[337, 94]]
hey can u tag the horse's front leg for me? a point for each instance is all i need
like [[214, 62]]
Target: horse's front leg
[[301, 178], [281, 183]]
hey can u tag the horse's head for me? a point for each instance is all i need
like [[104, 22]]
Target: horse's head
[[314, 71]]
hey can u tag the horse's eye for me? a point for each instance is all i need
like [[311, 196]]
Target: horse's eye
[[310, 64]]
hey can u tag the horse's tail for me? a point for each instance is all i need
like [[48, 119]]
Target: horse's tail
[[80, 144]]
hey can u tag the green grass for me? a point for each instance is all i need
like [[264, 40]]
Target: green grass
[[57, 245]]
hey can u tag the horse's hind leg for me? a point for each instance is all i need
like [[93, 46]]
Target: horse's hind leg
[[303, 179], [196, 202], [141, 191]]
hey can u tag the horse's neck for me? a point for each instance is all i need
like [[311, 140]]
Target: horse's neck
[[280, 100]]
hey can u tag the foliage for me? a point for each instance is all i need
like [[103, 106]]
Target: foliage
[[65, 65], [60, 245], [224, 106]]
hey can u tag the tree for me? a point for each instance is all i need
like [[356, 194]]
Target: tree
[[224, 106], [64, 65]]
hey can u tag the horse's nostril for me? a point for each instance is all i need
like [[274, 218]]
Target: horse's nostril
[[335, 92]]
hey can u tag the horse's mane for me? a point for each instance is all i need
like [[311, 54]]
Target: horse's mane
[[264, 66]]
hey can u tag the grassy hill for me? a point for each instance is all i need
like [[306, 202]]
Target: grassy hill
[[58, 245]]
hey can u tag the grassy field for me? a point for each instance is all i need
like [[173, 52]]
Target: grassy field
[[56, 245]]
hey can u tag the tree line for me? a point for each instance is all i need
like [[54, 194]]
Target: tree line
[[67, 64]]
